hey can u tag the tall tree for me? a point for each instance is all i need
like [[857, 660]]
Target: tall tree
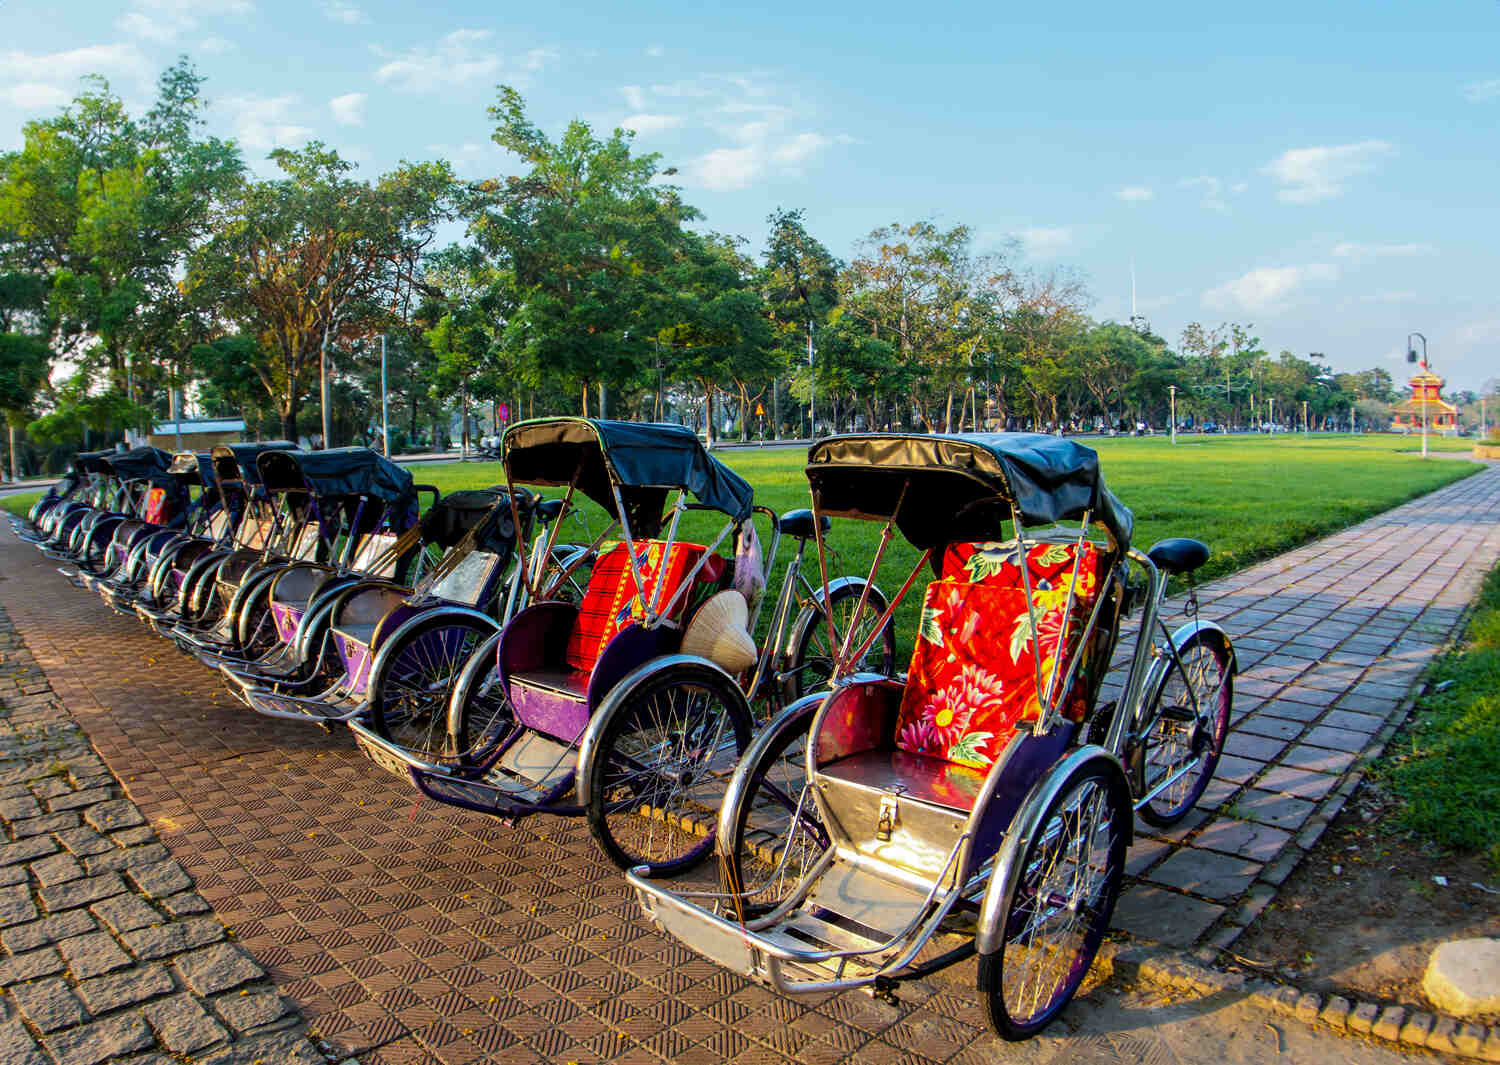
[[105, 206], [584, 236], [315, 257]]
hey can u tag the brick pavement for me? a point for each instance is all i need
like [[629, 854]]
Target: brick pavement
[[410, 932], [108, 953]]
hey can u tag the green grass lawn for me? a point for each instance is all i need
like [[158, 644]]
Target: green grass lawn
[[1247, 497], [1448, 775]]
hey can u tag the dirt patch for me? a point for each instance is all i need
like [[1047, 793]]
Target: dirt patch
[[1365, 910]]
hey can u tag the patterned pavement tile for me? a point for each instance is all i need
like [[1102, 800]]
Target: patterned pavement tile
[[412, 932]]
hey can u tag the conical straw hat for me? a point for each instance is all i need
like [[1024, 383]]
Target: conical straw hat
[[718, 632]]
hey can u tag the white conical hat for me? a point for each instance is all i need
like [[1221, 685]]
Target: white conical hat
[[718, 632]]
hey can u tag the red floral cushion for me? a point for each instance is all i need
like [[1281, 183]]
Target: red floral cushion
[[156, 506], [611, 600], [973, 673]]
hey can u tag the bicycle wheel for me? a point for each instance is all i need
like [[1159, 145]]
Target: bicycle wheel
[[811, 667], [479, 712], [1062, 900], [662, 767], [1189, 715], [776, 834], [409, 690]]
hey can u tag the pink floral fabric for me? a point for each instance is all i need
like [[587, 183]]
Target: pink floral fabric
[[973, 674]]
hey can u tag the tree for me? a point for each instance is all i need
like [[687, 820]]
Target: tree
[[583, 237], [715, 324], [923, 291], [315, 257], [103, 207]]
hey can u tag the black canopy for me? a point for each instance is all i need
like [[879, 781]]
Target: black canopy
[[343, 471], [236, 462], [91, 461], [138, 464], [961, 487], [645, 459]]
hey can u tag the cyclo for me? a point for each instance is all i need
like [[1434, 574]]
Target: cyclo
[[632, 706], [982, 794]]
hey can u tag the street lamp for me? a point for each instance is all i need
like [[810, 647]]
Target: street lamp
[[1173, 390], [1411, 356]]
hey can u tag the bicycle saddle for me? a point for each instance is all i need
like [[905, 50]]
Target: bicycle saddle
[[799, 524], [548, 509], [1178, 555]]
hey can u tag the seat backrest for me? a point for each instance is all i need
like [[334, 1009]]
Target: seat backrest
[[158, 508], [973, 671], [371, 547], [612, 600]]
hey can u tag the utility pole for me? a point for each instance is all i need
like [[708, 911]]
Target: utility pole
[[323, 381], [1411, 356], [385, 407], [812, 391]]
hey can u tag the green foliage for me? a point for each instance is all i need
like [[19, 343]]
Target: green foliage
[[1449, 773]]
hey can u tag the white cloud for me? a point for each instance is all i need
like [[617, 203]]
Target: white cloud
[[766, 136], [1479, 92], [1319, 173], [648, 124], [56, 67], [261, 123], [167, 20], [457, 59], [1211, 189], [34, 96], [46, 82], [1267, 288], [635, 99], [349, 109], [1134, 193], [1046, 242], [344, 11], [215, 46], [1366, 252]]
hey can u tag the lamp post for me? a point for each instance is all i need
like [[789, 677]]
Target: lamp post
[[812, 386], [1411, 356], [385, 407], [323, 382], [1173, 390]]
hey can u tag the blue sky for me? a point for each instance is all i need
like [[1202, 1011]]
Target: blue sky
[[1327, 172]]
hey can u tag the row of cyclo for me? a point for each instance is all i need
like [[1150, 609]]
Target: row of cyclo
[[580, 655]]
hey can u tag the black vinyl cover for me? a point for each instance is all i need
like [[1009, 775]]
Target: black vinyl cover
[[91, 461], [139, 463], [236, 462], [342, 471], [449, 520], [648, 457], [960, 487]]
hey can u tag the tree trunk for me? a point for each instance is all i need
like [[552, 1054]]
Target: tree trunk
[[708, 407]]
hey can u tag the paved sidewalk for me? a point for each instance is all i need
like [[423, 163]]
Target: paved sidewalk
[[107, 950], [410, 932]]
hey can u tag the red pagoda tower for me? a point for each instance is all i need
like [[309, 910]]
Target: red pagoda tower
[[1426, 395]]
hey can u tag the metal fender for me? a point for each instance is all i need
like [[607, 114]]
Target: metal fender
[[799, 715], [1023, 827], [1158, 672], [814, 610], [482, 659], [617, 696], [383, 655], [244, 596]]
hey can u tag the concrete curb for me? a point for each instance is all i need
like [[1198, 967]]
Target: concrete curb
[[1405, 1026]]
